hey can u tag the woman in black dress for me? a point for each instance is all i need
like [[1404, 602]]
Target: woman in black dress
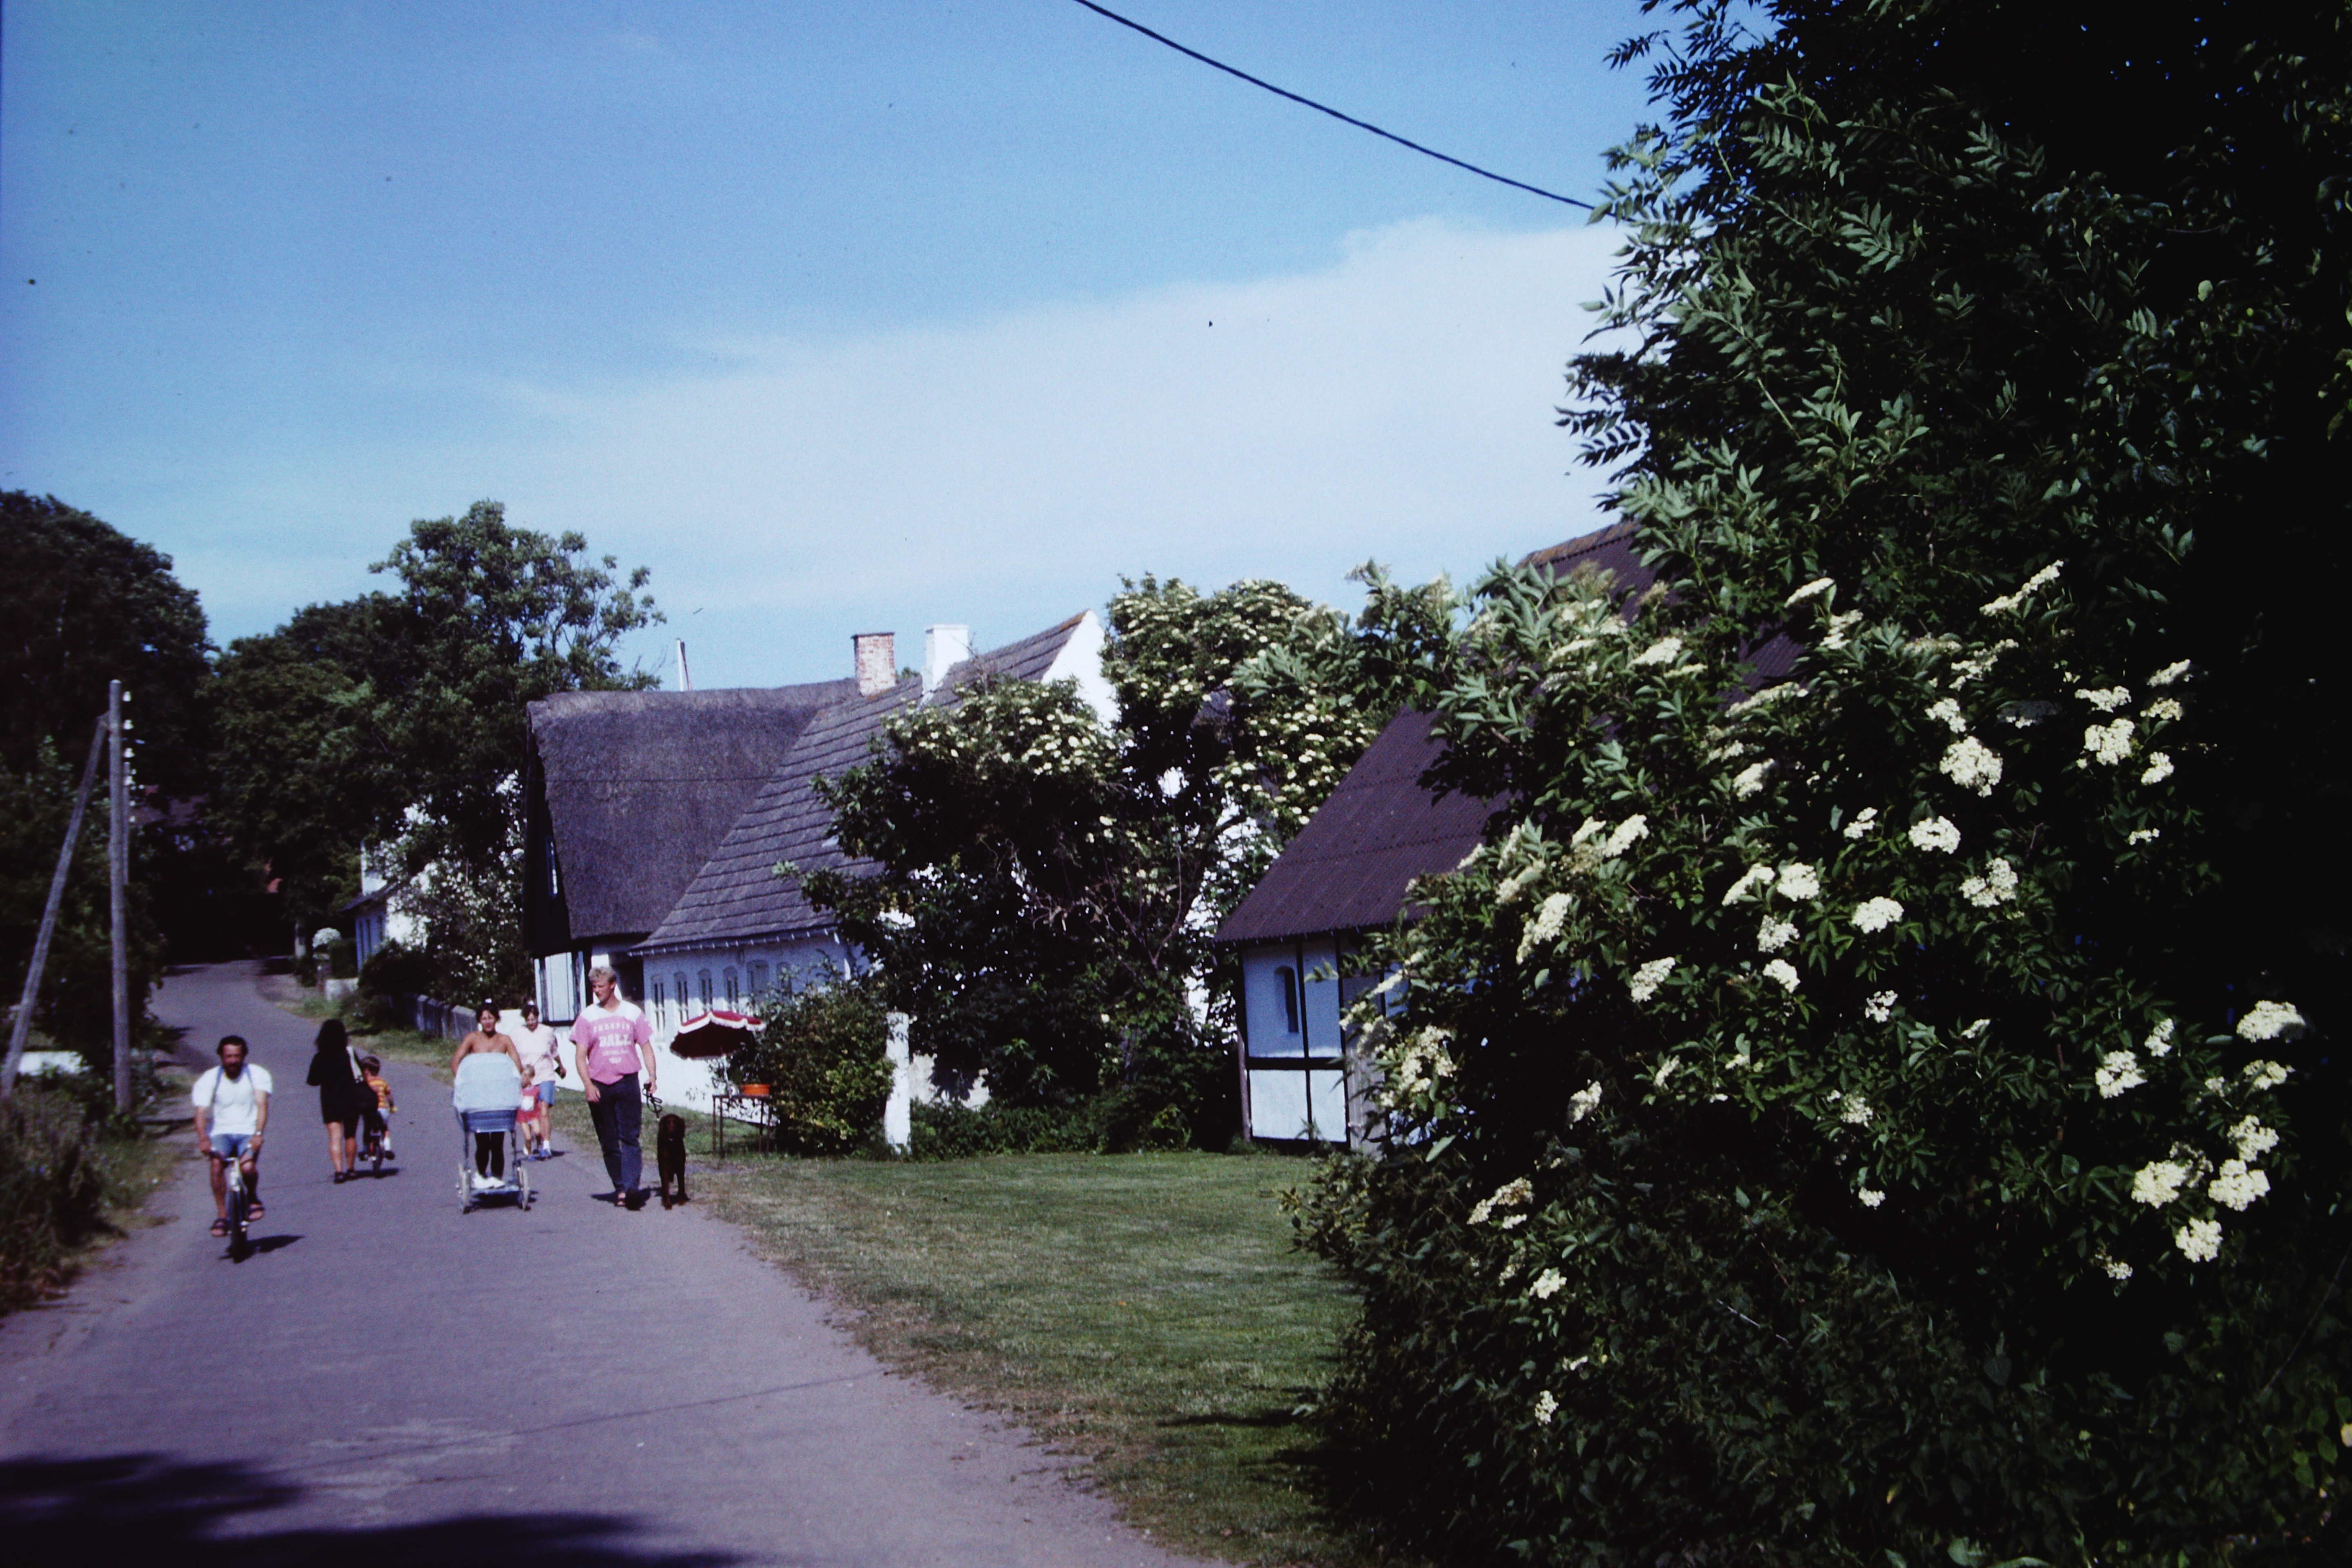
[[343, 1095]]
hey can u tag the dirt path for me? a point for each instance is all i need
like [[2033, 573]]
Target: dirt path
[[387, 1381]]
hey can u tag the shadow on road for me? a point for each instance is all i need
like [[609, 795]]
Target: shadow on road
[[199, 1516]]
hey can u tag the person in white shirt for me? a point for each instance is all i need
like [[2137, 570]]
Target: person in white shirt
[[232, 1104], [543, 1065]]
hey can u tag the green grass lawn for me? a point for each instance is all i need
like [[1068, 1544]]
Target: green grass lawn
[[1145, 1310]]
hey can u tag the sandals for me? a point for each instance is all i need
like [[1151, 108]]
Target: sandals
[[220, 1226], [255, 1211]]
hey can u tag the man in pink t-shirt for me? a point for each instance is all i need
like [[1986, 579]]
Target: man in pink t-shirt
[[613, 1040]]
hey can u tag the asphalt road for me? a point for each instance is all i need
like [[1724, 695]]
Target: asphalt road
[[386, 1381]]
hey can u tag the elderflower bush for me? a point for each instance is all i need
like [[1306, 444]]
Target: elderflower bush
[[1808, 946]]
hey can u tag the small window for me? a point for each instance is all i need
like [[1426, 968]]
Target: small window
[[657, 1001], [679, 991], [759, 975], [1289, 978], [554, 882], [731, 986], [702, 978]]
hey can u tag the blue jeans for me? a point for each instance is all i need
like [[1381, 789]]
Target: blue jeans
[[618, 1111]]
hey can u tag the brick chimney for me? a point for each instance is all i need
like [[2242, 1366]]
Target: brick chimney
[[877, 662], [944, 648]]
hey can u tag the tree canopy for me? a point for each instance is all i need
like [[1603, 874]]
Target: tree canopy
[[399, 719], [1889, 1116]]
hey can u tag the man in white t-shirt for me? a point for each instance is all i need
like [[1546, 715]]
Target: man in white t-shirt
[[232, 1104]]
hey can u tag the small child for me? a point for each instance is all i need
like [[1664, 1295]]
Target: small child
[[371, 1072], [530, 1117]]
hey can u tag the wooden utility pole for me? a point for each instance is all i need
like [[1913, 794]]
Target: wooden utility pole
[[23, 1024], [117, 866]]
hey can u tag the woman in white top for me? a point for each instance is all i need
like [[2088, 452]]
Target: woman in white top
[[536, 1043]]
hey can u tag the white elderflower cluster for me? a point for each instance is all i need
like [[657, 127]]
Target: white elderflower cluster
[[1750, 779], [2262, 1075], [2269, 1021], [2118, 1072], [2108, 699], [1586, 829], [2160, 768], [2254, 1140], [1976, 1031], [2110, 743], [1947, 711], [1856, 1111], [2237, 1185], [1547, 1285], [1545, 927], [1976, 666], [1665, 650], [1418, 1067], [2144, 834], [1628, 833], [2200, 1240], [2159, 1039], [1775, 933], [1876, 914], [2116, 1269], [1840, 624], [1971, 764], [1936, 832], [2169, 674], [1545, 1408], [2010, 602], [1584, 1102], [1997, 886], [1782, 972], [2164, 710], [1865, 823], [1871, 1199], [1646, 980], [2026, 713], [1878, 1006], [1666, 1070], [1799, 883], [1818, 585], [1510, 1196], [2158, 1182], [1750, 881]]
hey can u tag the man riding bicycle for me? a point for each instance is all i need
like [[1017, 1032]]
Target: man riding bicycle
[[232, 1104]]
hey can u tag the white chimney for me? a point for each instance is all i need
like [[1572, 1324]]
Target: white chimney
[[685, 682], [944, 648], [877, 662]]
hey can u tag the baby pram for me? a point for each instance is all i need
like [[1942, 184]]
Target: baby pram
[[488, 1093]]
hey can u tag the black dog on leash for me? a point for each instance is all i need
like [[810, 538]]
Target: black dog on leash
[[670, 1158]]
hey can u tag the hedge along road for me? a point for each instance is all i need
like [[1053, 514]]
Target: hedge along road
[[386, 1381]]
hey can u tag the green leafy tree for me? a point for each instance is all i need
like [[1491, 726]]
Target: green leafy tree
[[399, 719], [86, 604], [1887, 1116], [1049, 885]]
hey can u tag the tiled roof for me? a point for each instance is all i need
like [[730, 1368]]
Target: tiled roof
[[1348, 867], [736, 897], [641, 787]]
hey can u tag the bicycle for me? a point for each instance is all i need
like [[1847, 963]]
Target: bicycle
[[238, 1212], [373, 1149]]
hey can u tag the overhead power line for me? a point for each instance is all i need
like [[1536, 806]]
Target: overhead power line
[[1326, 108]]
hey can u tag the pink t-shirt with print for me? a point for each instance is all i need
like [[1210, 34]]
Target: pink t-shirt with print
[[608, 1040]]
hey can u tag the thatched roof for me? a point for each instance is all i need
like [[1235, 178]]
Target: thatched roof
[[636, 788], [737, 897]]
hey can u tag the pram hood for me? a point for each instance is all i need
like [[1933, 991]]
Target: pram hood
[[487, 1081]]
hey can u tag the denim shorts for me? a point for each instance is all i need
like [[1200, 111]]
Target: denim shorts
[[233, 1145], [547, 1092]]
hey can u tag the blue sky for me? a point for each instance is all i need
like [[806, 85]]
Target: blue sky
[[839, 318]]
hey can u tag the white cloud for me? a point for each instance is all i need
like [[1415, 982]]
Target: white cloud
[[1397, 404]]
